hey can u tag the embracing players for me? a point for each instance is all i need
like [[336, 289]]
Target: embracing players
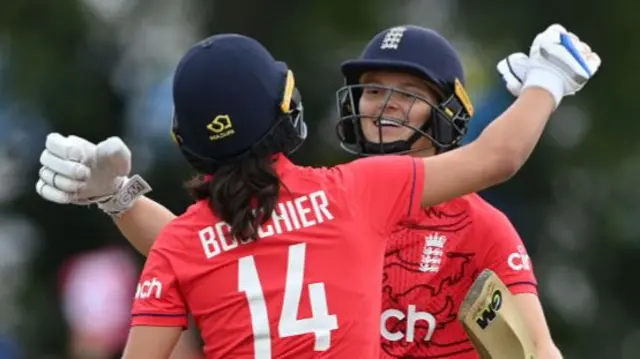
[[404, 95], [402, 83]]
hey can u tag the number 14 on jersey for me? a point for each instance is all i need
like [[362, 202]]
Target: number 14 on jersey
[[320, 324]]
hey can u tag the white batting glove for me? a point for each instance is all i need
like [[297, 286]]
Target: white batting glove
[[513, 70], [76, 171], [560, 63]]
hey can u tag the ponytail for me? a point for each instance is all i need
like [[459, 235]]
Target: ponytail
[[243, 194]]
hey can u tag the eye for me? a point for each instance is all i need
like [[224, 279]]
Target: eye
[[371, 91]]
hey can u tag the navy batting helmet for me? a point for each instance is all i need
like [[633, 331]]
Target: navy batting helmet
[[420, 52], [232, 98]]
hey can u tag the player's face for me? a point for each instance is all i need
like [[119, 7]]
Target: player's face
[[376, 102]]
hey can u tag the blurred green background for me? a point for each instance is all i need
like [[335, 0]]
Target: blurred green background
[[97, 68]]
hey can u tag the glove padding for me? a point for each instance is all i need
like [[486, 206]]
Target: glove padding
[[513, 70], [560, 63], [76, 171]]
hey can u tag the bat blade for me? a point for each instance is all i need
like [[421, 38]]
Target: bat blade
[[492, 321]]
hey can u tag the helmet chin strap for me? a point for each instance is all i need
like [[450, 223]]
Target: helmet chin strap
[[401, 147], [395, 147]]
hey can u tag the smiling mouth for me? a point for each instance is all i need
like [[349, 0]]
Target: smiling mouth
[[386, 123]]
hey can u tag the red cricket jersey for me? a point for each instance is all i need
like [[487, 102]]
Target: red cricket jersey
[[309, 287], [430, 265]]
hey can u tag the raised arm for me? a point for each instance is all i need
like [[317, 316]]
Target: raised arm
[[559, 65], [495, 156], [76, 171], [141, 224]]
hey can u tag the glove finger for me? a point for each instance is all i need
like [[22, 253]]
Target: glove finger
[[517, 64], [59, 181], [508, 71], [513, 85], [593, 61], [514, 89], [573, 48], [502, 67], [52, 194], [114, 155], [81, 141], [63, 147], [67, 168], [573, 37], [556, 28], [551, 34], [519, 57], [86, 149]]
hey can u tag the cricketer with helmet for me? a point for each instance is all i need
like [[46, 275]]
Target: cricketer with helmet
[[557, 67], [406, 94]]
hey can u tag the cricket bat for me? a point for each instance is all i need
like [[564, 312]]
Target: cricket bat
[[492, 321]]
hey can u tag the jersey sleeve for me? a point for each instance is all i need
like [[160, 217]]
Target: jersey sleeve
[[507, 256], [158, 301], [387, 188]]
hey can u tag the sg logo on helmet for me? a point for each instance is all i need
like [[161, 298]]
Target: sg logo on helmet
[[221, 127]]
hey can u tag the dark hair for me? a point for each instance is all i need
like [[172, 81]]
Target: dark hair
[[243, 194]]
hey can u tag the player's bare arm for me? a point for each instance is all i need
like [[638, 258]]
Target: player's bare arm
[[495, 156], [151, 342], [507, 256], [141, 224], [84, 173], [560, 65], [532, 314]]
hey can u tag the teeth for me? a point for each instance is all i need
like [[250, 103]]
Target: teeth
[[383, 122]]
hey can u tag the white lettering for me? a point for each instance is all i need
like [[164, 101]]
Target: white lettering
[[209, 243], [294, 216], [302, 211], [412, 317], [390, 313], [320, 202], [147, 288], [265, 230], [221, 228], [288, 216], [519, 262], [282, 216]]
